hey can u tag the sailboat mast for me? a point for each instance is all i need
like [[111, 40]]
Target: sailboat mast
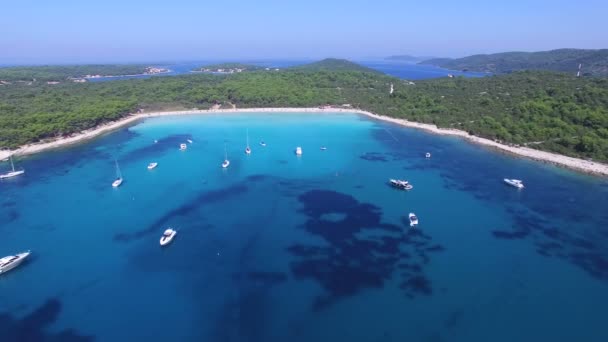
[[12, 165], [118, 175], [225, 153], [247, 137]]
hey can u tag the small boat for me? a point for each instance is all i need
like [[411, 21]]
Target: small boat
[[168, 236], [226, 162], [428, 155], [12, 173], [263, 144], [118, 181], [400, 184], [152, 165], [183, 147], [155, 141], [248, 149], [413, 220], [514, 182], [298, 151], [7, 263], [190, 141], [323, 148]]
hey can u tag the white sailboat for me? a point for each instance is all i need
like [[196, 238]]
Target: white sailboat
[[12, 173], [298, 151], [118, 180], [226, 162], [248, 149]]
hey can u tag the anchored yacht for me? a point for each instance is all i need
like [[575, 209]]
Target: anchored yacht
[[9, 262], [152, 165], [183, 147], [413, 220], [167, 237], [400, 184], [514, 182]]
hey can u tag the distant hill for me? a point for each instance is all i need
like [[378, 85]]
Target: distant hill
[[594, 62], [408, 58], [334, 64]]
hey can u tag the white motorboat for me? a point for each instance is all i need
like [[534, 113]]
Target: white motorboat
[[190, 141], [323, 148], [183, 147], [118, 181], [428, 155], [12, 173], [413, 220], [168, 236], [298, 151], [226, 162], [400, 184], [248, 149], [156, 141], [152, 165], [514, 182], [263, 144], [9, 262]]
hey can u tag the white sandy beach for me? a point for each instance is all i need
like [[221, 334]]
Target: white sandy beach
[[547, 157]]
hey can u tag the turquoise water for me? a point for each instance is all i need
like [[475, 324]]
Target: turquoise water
[[310, 248]]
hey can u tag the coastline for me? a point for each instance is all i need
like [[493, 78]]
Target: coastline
[[572, 163]]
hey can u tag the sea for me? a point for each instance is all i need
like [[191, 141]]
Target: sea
[[400, 69], [317, 247]]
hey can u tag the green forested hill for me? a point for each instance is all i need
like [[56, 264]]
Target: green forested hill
[[545, 110], [334, 64], [63, 72], [593, 62]]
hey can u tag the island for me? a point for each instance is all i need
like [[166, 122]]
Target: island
[[574, 61], [522, 111], [55, 74], [229, 68]]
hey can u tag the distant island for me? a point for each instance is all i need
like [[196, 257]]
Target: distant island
[[543, 110], [408, 58], [54, 74], [591, 62], [230, 68]]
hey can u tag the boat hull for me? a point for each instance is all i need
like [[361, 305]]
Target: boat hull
[[12, 174], [165, 240], [14, 264]]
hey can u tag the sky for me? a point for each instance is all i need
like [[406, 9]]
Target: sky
[[89, 31]]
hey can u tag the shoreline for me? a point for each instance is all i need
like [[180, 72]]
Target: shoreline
[[571, 163]]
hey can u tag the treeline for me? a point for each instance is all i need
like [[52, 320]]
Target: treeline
[[59, 73], [548, 111]]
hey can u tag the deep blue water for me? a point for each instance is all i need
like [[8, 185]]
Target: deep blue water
[[398, 69], [310, 248]]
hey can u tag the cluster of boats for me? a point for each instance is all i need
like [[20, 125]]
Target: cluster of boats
[[405, 185], [9, 262]]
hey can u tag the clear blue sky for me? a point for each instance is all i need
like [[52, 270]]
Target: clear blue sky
[[68, 31]]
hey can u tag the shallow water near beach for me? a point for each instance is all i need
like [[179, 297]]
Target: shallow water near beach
[[312, 248]]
